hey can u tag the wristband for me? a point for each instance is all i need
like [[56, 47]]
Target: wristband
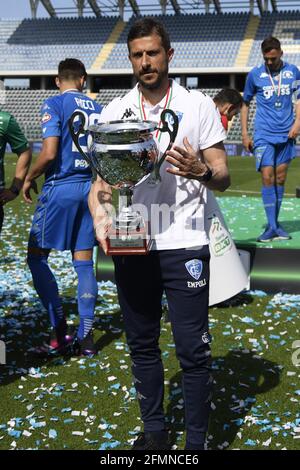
[[14, 190], [207, 176]]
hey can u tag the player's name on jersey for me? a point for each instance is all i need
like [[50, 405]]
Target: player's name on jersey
[[85, 104]]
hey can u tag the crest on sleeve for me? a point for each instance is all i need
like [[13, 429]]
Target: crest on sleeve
[[46, 117], [194, 268]]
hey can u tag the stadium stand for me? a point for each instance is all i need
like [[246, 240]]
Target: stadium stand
[[25, 105], [39, 44], [235, 130], [285, 26], [206, 40], [199, 40]]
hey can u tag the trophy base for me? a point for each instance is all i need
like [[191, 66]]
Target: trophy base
[[122, 242]]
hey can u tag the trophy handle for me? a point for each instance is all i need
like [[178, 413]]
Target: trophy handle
[[76, 134], [172, 133]]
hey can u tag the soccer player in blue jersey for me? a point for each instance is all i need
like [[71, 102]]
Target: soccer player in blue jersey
[[62, 219], [275, 128]]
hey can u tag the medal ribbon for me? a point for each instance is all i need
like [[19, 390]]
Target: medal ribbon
[[143, 112], [273, 83]]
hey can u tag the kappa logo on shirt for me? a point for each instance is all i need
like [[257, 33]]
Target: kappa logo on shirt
[[46, 117], [128, 113], [263, 75]]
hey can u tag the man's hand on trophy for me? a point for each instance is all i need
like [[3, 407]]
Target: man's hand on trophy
[[101, 209], [185, 161], [103, 217]]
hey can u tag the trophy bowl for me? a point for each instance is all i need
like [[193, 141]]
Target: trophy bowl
[[122, 153]]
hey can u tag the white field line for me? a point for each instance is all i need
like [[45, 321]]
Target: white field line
[[251, 192]]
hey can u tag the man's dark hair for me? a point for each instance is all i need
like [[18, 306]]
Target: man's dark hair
[[270, 43], [229, 95], [71, 69], [147, 26]]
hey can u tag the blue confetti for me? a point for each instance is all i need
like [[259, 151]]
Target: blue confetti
[[52, 434]]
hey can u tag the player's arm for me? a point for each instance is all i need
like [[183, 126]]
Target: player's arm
[[44, 160], [247, 141], [101, 208], [249, 92], [208, 163], [22, 166], [20, 146], [211, 169], [295, 129]]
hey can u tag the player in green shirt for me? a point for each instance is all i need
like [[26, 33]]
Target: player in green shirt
[[11, 133]]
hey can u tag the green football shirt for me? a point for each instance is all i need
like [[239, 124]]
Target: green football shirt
[[11, 133]]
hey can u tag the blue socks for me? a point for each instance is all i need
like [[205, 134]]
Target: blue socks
[[87, 296], [280, 193], [272, 198], [269, 197], [46, 287]]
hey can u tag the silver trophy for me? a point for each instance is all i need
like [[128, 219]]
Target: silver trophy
[[122, 153]]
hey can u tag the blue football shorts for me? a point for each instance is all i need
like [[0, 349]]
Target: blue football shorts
[[62, 219], [268, 154]]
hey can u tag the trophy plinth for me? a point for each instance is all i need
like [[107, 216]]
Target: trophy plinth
[[129, 231], [122, 153]]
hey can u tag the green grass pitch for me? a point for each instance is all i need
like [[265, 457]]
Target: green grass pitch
[[82, 403]]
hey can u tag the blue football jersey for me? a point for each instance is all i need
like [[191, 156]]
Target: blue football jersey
[[274, 114], [69, 165]]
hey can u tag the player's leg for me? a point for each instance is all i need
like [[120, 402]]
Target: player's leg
[[87, 292], [280, 178], [265, 163], [285, 153], [186, 282], [140, 291], [47, 232], [46, 287], [83, 241]]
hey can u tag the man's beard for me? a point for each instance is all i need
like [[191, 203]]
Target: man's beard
[[275, 68], [153, 85]]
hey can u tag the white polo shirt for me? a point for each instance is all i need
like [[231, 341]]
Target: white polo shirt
[[175, 206]]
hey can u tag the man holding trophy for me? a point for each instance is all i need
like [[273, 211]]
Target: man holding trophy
[[171, 199]]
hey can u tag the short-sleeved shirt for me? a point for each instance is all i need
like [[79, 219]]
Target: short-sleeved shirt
[[274, 114], [10, 133], [69, 165], [175, 206]]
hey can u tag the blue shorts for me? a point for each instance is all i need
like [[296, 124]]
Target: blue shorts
[[268, 154], [62, 219]]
